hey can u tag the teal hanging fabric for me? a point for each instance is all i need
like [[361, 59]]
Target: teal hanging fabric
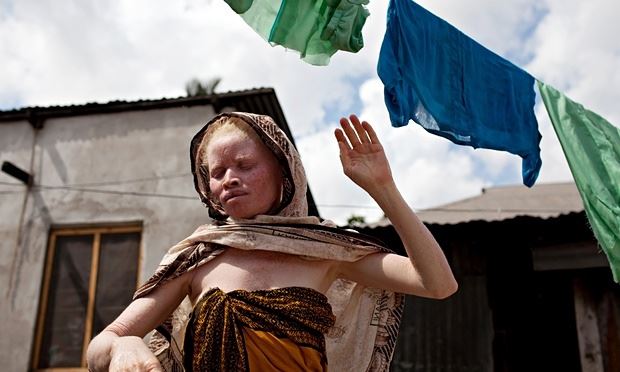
[[456, 88], [592, 147], [316, 29]]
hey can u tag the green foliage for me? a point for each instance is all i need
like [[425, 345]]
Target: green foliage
[[195, 87], [356, 220]]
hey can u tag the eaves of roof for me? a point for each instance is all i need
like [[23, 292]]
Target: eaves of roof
[[259, 100], [504, 203]]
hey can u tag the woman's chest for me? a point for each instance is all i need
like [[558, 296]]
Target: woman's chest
[[254, 270]]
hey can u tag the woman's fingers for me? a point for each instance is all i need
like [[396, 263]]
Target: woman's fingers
[[350, 132], [356, 133], [342, 140], [359, 129], [371, 132]]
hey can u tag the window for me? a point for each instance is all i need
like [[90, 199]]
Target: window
[[90, 277]]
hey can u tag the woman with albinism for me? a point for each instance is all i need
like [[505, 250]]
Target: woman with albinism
[[264, 286]]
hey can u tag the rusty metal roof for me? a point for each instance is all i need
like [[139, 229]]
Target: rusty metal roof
[[505, 202]]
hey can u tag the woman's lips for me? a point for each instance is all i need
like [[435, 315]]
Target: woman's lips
[[232, 195]]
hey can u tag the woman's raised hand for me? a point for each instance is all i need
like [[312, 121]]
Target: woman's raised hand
[[362, 156]]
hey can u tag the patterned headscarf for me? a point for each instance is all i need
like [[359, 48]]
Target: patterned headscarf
[[293, 203]]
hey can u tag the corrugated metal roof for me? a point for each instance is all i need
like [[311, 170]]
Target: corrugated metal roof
[[262, 99], [503, 203]]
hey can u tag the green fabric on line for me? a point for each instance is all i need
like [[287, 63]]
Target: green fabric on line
[[316, 29], [592, 147]]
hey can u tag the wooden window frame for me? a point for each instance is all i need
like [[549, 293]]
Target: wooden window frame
[[92, 285]]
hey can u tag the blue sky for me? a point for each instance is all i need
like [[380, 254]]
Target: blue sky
[[78, 51]]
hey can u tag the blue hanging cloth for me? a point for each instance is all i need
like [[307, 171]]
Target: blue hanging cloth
[[456, 88]]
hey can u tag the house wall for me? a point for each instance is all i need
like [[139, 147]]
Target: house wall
[[453, 334], [151, 146], [515, 307]]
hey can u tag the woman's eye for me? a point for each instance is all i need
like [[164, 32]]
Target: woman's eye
[[217, 173], [245, 166]]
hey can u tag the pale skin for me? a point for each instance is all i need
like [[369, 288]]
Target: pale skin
[[242, 164]]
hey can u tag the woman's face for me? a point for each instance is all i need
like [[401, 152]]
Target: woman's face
[[244, 175]]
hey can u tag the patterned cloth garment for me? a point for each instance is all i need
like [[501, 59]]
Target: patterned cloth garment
[[229, 329]]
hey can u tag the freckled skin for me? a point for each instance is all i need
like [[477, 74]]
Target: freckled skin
[[246, 178], [244, 175]]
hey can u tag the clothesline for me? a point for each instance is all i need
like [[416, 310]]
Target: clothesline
[[456, 88]]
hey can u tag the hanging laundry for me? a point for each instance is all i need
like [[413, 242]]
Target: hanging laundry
[[592, 147], [316, 29], [456, 88]]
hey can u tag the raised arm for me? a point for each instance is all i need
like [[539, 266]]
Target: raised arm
[[425, 272], [119, 347]]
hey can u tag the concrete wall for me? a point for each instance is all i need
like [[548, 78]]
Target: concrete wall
[[82, 150]]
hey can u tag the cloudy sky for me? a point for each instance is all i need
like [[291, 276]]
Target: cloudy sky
[[77, 51]]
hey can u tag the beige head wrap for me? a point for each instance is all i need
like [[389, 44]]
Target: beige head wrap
[[294, 203]]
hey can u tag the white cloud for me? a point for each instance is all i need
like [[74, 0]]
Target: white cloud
[[427, 169], [80, 51], [576, 50], [87, 51], [555, 167], [498, 25], [421, 162]]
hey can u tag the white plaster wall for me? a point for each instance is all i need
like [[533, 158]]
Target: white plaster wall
[[80, 151], [16, 142]]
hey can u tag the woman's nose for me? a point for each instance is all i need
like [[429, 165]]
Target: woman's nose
[[231, 179]]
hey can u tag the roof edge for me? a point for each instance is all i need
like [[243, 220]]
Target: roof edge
[[35, 114]]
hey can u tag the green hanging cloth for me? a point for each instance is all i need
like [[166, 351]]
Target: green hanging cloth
[[592, 147], [316, 29]]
